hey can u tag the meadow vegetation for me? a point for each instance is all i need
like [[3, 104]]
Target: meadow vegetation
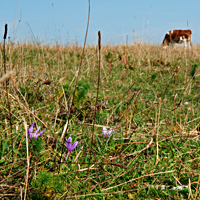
[[148, 95]]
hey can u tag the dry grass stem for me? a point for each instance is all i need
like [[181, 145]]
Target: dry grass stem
[[6, 76]]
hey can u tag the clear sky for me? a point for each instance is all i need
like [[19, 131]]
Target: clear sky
[[65, 21]]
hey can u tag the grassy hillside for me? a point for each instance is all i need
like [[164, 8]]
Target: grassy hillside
[[148, 95]]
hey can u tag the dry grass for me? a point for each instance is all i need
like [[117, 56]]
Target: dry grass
[[151, 103]]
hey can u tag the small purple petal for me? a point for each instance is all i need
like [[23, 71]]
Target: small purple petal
[[37, 135], [71, 147], [69, 140], [42, 132], [29, 134], [75, 145], [104, 130], [30, 130], [109, 132], [31, 127], [69, 144]]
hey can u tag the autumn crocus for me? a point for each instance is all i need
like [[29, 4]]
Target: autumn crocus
[[107, 133], [70, 146], [34, 134]]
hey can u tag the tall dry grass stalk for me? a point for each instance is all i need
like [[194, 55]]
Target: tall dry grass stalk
[[5, 78], [28, 159], [4, 47], [97, 95]]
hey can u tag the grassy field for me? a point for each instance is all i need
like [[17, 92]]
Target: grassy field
[[148, 95]]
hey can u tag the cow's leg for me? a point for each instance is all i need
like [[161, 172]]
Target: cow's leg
[[189, 44], [185, 44]]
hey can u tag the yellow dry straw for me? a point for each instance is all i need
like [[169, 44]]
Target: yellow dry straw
[[6, 76]]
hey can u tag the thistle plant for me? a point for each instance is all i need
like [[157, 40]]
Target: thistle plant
[[107, 133], [70, 146]]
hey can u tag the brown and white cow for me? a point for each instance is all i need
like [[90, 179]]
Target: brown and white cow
[[178, 36]]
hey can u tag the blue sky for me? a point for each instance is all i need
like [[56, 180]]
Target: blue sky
[[65, 21]]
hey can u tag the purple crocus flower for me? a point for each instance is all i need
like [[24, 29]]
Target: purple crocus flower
[[70, 146], [107, 133], [34, 134]]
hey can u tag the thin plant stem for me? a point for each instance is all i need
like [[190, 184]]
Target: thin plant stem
[[158, 121], [4, 58], [67, 157], [6, 83], [99, 44], [28, 164], [197, 189], [126, 62]]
